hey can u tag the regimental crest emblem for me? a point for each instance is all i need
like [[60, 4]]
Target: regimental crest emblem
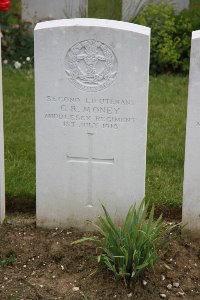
[[91, 65]]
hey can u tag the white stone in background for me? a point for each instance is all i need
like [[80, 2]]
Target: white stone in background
[[91, 79], [131, 8], [191, 189], [39, 10], [2, 174], [181, 4]]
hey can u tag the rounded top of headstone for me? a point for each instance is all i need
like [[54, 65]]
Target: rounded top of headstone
[[196, 34], [94, 23]]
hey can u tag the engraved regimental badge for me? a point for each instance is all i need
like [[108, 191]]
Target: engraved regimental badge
[[91, 65]]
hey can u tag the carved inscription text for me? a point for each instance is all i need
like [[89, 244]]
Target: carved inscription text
[[90, 113]]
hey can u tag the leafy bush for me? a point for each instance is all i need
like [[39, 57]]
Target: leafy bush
[[128, 250], [170, 37]]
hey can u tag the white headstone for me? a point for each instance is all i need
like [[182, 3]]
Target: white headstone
[[191, 192], [2, 175], [91, 119], [37, 10], [131, 8]]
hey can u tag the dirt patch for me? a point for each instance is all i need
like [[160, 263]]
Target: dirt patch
[[48, 267]]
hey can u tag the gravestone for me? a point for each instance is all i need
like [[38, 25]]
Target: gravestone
[[37, 10], [191, 190], [2, 179], [131, 8], [91, 119]]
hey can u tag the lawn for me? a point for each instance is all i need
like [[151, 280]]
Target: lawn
[[19, 135], [166, 127], [166, 135]]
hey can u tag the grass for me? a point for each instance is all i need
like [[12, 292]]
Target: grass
[[166, 138], [19, 134], [166, 127], [166, 135], [194, 4], [105, 9]]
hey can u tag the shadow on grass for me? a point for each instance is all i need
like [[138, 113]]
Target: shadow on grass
[[28, 205], [169, 213], [25, 204]]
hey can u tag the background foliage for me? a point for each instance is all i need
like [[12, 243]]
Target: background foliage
[[17, 43], [170, 38]]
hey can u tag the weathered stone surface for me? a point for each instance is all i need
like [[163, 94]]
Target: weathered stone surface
[[191, 193], [131, 8], [2, 174], [91, 119], [39, 10]]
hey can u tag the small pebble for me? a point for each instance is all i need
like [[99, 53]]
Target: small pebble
[[163, 296], [163, 277], [129, 295], [75, 288], [180, 294], [169, 286], [176, 284], [62, 267], [144, 282], [41, 285]]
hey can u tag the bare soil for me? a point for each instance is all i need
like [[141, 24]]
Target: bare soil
[[48, 267]]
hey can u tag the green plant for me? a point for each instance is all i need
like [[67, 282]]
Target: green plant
[[17, 41], [17, 45], [170, 37], [129, 249], [7, 261]]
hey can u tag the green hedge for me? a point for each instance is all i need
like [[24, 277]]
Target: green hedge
[[170, 36]]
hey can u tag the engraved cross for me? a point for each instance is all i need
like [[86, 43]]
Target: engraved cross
[[90, 160]]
